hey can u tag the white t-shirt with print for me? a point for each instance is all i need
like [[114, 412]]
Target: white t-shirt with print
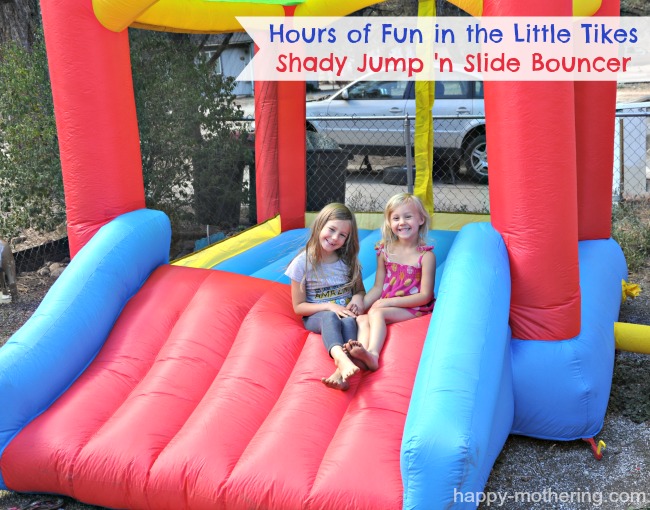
[[323, 284]]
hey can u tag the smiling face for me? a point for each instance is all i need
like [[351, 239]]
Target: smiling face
[[405, 221], [332, 237]]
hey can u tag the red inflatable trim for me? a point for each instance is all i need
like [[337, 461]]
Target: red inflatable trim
[[94, 105]]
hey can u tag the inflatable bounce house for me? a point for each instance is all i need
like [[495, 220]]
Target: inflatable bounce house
[[143, 384]]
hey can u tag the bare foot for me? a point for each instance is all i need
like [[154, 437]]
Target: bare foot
[[360, 364], [345, 367], [357, 351], [335, 381], [356, 361]]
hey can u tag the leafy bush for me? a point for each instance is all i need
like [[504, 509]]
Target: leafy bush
[[192, 154], [31, 187]]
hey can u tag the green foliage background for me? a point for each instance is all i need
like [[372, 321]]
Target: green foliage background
[[192, 152], [31, 187], [191, 149]]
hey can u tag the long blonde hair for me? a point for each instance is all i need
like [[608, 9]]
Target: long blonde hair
[[388, 238], [348, 253]]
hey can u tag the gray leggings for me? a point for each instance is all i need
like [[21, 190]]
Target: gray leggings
[[334, 330]]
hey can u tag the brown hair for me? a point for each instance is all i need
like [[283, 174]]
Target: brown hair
[[348, 253]]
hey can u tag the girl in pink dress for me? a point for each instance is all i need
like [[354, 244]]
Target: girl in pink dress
[[406, 274]]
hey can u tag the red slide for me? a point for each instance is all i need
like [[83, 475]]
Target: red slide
[[169, 415]]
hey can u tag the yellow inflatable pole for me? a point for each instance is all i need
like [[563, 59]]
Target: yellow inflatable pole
[[424, 98], [632, 337], [423, 140]]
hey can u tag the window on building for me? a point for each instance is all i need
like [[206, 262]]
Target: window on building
[[217, 68]]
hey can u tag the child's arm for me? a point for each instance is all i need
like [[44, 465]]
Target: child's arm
[[302, 307], [426, 287], [356, 303], [375, 293]]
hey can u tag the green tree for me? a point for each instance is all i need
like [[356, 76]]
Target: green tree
[[193, 153], [31, 188]]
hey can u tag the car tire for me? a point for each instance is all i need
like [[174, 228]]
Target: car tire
[[394, 175], [475, 159]]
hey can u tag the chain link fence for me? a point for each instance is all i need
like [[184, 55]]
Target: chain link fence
[[374, 173], [380, 161], [632, 153], [363, 161], [32, 259]]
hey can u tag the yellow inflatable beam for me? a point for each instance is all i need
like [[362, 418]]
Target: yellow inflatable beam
[[440, 221], [632, 337], [580, 7], [212, 255], [473, 7], [206, 17]]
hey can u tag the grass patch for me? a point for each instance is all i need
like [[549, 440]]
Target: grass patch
[[631, 229]]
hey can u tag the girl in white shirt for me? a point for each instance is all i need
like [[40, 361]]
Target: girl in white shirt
[[326, 287]]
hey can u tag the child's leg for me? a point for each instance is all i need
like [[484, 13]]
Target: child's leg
[[364, 329], [377, 320], [343, 363], [329, 325], [349, 328], [356, 349], [361, 329]]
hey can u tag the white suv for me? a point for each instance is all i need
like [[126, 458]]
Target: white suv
[[457, 137]]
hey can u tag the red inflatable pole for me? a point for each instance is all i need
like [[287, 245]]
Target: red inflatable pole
[[595, 111], [94, 106], [533, 190], [292, 149], [280, 147], [292, 154], [266, 149]]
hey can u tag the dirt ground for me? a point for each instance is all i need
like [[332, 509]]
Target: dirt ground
[[529, 474]]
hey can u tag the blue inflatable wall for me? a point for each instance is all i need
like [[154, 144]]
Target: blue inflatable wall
[[70, 326]]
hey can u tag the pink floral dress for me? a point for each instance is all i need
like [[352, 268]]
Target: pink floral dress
[[404, 280]]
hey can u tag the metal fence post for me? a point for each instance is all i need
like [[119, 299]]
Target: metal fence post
[[621, 170], [409, 159]]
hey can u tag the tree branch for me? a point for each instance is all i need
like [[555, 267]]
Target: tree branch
[[220, 49]]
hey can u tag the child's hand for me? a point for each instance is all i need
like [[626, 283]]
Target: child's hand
[[382, 303], [341, 310], [356, 305]]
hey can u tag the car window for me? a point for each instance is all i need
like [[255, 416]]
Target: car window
[[478, 90], [452, 89], [377, 90]]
